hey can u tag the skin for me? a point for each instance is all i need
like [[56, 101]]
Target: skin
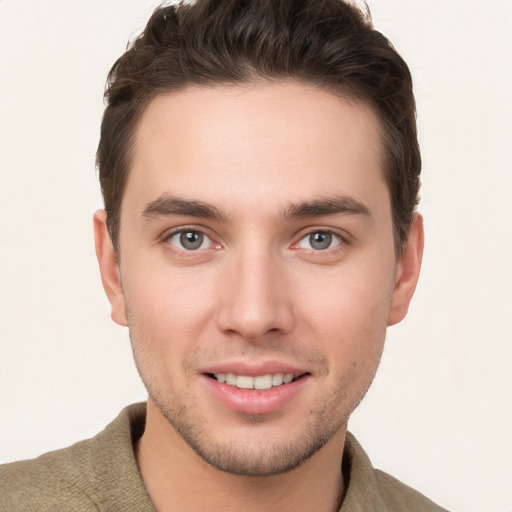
[[243, 166]]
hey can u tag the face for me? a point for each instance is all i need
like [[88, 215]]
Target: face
[[257, 269]]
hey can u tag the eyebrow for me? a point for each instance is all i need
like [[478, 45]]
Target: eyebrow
[[337, 205], [167, 205]]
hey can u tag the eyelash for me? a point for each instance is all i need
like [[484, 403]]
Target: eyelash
[[342, 240], [181, 231]]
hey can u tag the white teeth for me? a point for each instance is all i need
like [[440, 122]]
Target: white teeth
[[231, 379], [277, 379], [263, 382], [244, 382], [260, 382]]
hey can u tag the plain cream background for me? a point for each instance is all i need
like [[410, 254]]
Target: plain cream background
[[439, 415]]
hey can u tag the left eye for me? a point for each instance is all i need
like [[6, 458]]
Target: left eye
[[319, 241], [190, 240]]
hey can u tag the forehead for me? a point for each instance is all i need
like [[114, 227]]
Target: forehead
[[277, 142]]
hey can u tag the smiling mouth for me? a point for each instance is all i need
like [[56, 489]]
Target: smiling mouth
[[259, 382]]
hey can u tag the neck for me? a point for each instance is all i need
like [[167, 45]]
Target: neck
[[178, 479]]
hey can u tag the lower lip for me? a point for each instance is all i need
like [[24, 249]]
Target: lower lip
[[252, 401]]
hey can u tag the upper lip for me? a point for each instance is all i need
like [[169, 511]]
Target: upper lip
[[253, 369]]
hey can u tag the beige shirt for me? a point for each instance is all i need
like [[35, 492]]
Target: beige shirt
[[101, 474]]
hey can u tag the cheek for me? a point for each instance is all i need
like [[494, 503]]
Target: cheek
[[361, 293], [167, 306], [165, 320], [349, 310]]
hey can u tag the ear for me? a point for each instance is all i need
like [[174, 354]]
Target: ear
[[109, 268], [407, 271]]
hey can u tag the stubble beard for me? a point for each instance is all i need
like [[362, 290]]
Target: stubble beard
[[254, 458]]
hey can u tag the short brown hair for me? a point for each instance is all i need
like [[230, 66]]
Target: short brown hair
[[327, 43]]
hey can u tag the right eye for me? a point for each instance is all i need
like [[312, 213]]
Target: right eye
[[189, 240]]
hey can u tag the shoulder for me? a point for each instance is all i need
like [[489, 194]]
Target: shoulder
[[51, 479], [96, 474], [399, 496], [372, 489]]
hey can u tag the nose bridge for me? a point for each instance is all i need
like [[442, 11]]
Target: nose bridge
[[254, 300]]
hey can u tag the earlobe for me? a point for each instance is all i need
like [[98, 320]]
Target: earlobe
[[408, 271], [109, 268]]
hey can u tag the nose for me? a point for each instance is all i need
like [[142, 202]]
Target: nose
[[254, 299]]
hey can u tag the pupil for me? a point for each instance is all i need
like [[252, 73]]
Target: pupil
[[320, 240], [191, 240]]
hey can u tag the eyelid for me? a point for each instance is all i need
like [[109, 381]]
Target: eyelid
[[176, 241], [196, 229], [343, 237]]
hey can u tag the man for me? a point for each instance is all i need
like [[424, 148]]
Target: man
[[260, 170]]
